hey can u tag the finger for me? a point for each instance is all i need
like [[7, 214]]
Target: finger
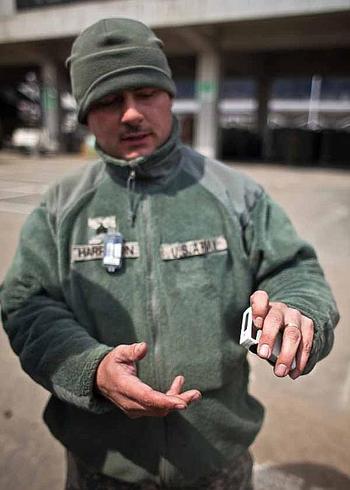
[[130, 353], [129, 406], [133, 388], [176, 386], [273, 323], [290, 342], [190, 396], [259, 301], [124, 403], [305, 346], [134, 410]]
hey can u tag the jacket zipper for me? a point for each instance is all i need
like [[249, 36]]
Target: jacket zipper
[[151, 279], [130, 187], [154, 316]]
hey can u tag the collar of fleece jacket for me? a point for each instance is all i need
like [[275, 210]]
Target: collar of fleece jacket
[[156, 167]]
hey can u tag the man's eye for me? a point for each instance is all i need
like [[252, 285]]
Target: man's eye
[[110, 101], [146, 93]]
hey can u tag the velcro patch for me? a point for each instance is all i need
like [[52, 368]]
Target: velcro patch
[[173, 251], [81, 253]]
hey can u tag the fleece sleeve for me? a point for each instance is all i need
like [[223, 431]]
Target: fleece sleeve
[[287, 268], [53, 348]]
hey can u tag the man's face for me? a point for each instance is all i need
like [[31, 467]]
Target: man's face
[[131, 123]]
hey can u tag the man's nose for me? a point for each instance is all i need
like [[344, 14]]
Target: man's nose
[[131, 113]]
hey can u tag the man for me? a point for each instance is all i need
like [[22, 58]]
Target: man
[[127, 290]]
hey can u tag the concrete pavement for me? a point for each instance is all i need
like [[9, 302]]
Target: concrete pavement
[[305, 442]]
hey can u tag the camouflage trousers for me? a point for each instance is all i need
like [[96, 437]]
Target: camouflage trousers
[[235, 476]]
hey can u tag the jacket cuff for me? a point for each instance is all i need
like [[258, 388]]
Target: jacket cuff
[[85, 395]]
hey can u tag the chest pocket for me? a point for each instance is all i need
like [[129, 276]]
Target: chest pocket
[[195, 262], [196, 320]]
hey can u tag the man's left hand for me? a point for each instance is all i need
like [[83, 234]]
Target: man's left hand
[[297, 333]]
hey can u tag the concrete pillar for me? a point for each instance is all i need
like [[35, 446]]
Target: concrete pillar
[[50, 105], [263, 95], [314, 103], [7, 7], [207, 93]]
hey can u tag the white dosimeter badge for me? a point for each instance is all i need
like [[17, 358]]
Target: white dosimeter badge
[[250, 336], [113, 251]]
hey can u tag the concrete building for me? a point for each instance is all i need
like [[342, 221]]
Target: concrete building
[[210, 43]]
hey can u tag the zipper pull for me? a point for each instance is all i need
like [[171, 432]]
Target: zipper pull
[[130, 186]]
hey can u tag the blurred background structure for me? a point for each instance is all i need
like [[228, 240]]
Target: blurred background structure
[[263, 80]]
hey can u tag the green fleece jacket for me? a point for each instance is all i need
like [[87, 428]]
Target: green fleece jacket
[[199, 239]]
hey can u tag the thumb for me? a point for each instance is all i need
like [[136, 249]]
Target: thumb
[[259, 302], [131, 353]]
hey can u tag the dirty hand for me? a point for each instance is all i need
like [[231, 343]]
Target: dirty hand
[[116, 379], [297, 331]]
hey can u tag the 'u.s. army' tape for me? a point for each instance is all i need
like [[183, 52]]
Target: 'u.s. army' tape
[[173, 251]]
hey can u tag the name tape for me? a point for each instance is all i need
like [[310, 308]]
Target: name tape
[[81, 253]]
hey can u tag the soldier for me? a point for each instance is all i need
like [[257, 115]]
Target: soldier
[[127, 290]]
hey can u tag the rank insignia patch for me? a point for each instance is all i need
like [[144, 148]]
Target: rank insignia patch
[[104, 222], [100, 226]]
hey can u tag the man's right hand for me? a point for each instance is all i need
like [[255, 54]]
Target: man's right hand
[[117, 380]]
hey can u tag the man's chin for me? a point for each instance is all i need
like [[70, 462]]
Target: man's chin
[[137, 153], [130, 152]]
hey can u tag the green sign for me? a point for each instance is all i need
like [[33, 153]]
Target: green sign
[[49, 98], [206, 89]]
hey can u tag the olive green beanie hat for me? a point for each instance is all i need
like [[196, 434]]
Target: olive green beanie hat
[[113, 55]]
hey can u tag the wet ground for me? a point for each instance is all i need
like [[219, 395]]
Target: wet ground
[[305, 442]]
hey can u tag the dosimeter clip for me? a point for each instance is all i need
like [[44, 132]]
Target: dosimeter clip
[[113, 251]]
